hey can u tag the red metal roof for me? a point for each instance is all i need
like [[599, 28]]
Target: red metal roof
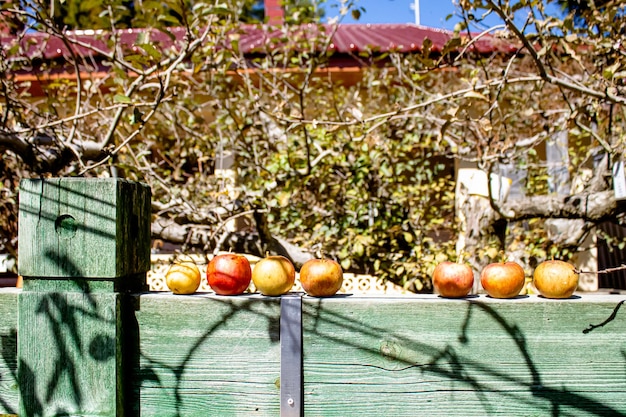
[[348, 38], [403, 38]]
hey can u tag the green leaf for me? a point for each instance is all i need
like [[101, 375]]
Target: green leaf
[[358, 249], [143, 37], [426, 46], [151, 50], [216, 10], [610, 71], [451, 45], [345, 263], [120, 98]]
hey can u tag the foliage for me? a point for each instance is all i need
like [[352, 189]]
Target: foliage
[[380, 201], [569, 77], [98, 14], [583, 9], [362, 172]]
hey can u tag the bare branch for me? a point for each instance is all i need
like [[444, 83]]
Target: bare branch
[[593, 207]]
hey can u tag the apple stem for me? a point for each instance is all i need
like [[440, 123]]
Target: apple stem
[[460, 258]]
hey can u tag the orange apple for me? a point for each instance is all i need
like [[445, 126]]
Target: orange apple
[[503, 279], [321, 277], [555, 279], [453, 280]]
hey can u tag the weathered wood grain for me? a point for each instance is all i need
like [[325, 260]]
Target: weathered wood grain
[[84, 244], [69, 354], [417, 355], [84, 228], [424, 355], [207, 355], [8, 351]]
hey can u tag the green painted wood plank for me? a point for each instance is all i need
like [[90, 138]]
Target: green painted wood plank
[[133, 230], [69, 354], [423, 355], [207, 355], [84, 227], [8, 351]]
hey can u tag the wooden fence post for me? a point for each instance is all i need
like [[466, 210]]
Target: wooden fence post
[[84, 245]]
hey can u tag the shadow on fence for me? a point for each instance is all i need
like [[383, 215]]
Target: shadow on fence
[[196, 354], [71, 348], [446, 362], [353, 342], [8, 350], [396, 355]]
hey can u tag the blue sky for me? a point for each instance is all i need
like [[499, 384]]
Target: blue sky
[[433, 13]]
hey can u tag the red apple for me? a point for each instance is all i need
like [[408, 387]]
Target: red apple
[[274, 275], [321, 277], [229, 274], [453, 280], [503, 279], [555, 279]]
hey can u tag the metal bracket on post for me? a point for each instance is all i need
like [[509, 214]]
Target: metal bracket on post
[[291, 381]]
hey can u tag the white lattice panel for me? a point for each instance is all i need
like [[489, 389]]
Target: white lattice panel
[[352, 284]]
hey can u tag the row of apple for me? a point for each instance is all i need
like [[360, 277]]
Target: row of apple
[[231, 274], [552, 279]]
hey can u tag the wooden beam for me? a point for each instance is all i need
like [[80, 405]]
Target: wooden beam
[[207, 355], [36, 84], [8, 351], [72, 227], [366, 356], [424, 355], [85, 243]]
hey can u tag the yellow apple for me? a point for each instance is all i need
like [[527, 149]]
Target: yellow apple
[[274, 275], [183, 278]]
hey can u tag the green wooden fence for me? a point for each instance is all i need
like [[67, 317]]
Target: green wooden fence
[[96, 345], [220, 356]]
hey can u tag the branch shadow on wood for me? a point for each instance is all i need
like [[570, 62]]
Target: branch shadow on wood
[[76, 333], [448, 362], [161, 372], [8, 350], [399, 352]]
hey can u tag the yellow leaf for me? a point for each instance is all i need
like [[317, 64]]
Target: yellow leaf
[[476, 95], [492, 252]]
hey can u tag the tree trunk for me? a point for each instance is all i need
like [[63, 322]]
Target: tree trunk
[[252, 243], [476, 232]]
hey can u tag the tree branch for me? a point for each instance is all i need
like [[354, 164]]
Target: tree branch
[[593, 207]]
